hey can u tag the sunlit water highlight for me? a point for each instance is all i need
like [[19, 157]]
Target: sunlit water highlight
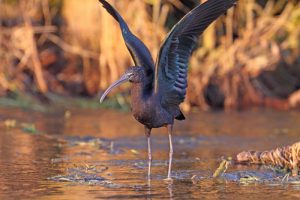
[[103, 154]]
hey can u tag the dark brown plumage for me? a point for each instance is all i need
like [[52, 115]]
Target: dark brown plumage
[[157, 90]]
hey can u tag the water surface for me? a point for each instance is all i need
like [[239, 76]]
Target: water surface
[[102, 154]]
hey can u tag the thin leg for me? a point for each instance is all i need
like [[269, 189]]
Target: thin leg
[[148, 133], [170, 129], [149, 157]]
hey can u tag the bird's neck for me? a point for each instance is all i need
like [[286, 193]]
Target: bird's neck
[[139, 93]]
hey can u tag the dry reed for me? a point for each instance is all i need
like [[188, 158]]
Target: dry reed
[[287, 157], [248, 57]]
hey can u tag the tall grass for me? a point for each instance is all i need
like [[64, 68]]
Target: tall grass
[[80, 50]]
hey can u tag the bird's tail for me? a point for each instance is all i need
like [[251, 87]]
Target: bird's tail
[[180, 116]]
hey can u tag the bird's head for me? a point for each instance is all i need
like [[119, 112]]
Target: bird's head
[[133, 75]]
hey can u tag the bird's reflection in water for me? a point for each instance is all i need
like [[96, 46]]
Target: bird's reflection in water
[[170, 190], [149, 193]]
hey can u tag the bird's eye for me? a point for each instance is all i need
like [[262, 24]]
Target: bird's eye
[[129, 75]]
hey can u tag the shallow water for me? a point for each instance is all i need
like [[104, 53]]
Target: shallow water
[[102, 154]]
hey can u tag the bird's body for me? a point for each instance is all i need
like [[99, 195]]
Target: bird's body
[[146, 107], [149, 111], [158, 89]]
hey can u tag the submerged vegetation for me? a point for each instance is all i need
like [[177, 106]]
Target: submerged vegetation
[[250, 57]]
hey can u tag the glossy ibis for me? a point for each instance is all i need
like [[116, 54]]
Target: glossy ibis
[[158, 89]]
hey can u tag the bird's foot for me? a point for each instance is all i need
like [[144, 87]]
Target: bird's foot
[[169, 180]]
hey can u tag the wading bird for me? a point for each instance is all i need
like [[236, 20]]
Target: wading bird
[[158, 89]]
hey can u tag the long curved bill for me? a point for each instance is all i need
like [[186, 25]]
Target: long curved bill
[[123, 79]]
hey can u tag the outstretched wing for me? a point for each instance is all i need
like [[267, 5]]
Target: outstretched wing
[[139, 52], [173, 58]]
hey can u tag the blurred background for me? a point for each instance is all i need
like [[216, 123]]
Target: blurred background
[[68, 48], [59, 55]]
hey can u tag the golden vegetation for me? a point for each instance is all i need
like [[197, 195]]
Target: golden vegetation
[[248, 57], [287, 157]]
